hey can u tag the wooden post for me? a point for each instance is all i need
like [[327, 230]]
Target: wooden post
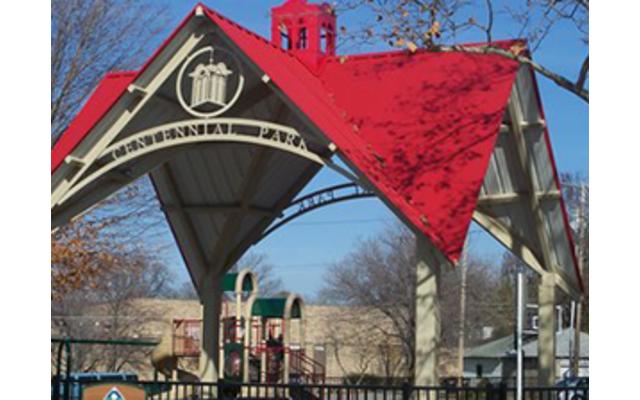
[[575, 362], [210, 340], [427, 314], [463, 303], [547, 330]]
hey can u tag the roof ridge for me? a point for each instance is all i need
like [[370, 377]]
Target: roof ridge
[[249, 31], [420, 51]]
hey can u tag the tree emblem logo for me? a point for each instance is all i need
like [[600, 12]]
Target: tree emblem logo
[[209, 82], [114, 394]]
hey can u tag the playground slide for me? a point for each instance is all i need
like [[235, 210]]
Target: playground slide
[[166, 362]]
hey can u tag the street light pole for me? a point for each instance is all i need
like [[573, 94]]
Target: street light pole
[[520, 310]]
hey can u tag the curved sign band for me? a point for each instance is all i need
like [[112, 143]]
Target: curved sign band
[[224, 130]]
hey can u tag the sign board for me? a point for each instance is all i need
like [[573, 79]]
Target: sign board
[[113, 391]]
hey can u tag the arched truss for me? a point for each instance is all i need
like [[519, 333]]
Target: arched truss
[[320, 198], [188, 132]]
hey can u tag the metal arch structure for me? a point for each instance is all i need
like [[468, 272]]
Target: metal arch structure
[[318, 199], [465, 140], [189, 132]]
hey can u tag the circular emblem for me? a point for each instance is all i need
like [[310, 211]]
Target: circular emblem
[[209, 82]]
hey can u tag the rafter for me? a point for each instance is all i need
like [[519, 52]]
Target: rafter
[[255, 234], [250, 185], [511, 240], [514, 111], [164, 176], [503, 198], [121, 115]]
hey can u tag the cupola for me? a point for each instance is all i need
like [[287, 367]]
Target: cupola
[[305, 29]]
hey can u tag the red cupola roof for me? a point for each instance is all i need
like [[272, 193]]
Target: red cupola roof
[[305, 29]]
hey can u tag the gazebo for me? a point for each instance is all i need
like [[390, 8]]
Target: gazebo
[[464, 139]]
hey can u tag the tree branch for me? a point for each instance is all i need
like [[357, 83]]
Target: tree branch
[[576, 88]]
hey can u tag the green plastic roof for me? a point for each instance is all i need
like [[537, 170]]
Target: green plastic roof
[[229, 283], [274, 308]]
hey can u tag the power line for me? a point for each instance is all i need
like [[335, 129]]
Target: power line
[[342, 221]]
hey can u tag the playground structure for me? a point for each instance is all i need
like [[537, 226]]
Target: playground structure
[[261, 341]]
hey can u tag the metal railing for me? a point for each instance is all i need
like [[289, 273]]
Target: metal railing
[[158, 390]]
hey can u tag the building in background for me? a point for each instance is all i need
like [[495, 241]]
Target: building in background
[[496, 360]]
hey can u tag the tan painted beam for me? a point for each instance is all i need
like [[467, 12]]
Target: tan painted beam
[[547, 330], [506, 128], [515, 115], [504, 198], [110, 126], [210, 339], [511, 240], [427, 334], [164, 174], [257, 170]]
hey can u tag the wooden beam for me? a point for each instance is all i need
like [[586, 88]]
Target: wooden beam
[[163, 173], [506, 128], [257, 170], [511, 240], [256, 232], [515, 115], [109, 127], [503, 198]]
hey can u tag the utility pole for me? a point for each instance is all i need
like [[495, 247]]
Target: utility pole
[[521, 305]]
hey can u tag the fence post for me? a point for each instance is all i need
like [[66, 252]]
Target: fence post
[[406, 391], [503, 391], [67, 387], [56, 382]]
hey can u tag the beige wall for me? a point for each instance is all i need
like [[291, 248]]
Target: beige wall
[[355, 340]]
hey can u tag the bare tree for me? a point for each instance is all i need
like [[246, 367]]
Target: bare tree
[[128, 223], [270, 284], [110, 309], [353, 333], [90, 38], [576, 195], [380, 275], [437, 25]]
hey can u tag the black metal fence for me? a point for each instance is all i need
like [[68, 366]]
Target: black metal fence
[[157, 390]]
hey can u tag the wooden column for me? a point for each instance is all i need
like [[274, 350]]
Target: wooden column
[[427, 314], [547, 330], [211, 297]]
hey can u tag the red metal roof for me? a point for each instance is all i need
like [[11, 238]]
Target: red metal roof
[[109, 90], [431, 121], [421, 127]]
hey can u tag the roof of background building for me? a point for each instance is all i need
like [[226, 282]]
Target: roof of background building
[[504, 347]]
